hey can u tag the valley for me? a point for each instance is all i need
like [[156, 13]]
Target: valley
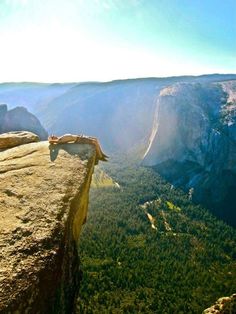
[[150, 243], [118, 157], [183, 265]]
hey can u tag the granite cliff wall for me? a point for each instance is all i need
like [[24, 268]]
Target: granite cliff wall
[[193, 142]]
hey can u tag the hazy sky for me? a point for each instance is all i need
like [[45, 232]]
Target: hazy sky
[[81, 40]]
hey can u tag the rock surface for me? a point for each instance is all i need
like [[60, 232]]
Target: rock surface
[[224, 305], [12, 139], [19, 119], [43, 204]]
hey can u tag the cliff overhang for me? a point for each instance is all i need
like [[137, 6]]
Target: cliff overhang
[[43, 204]]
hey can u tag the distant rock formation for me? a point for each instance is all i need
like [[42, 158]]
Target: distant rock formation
[[193, 142], [119, 113], [224, 305], [19, 119], [44, 192]]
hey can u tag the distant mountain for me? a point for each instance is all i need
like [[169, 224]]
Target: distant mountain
[[119, 113], [183, 126], [30, 95], [19, 119]]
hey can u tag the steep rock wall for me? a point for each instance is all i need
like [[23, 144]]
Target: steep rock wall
[[193, 142], [43, 204]]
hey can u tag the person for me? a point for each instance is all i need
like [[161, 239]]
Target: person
[[70, 138], [66, 138]]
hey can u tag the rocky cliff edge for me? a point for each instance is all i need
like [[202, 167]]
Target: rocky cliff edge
[[43, 204]]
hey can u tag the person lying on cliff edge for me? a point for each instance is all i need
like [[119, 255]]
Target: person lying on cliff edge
[[70, 138]]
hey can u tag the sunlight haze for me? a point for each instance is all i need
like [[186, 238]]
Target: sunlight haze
[[101, 40]]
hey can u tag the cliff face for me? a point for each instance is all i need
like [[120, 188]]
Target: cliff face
[[19, 119], [43, 204], [193, 142]]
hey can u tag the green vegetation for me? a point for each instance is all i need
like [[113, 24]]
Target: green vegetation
[[182, 266], [172, 206]]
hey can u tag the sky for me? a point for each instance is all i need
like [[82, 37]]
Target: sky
[[102, 40]]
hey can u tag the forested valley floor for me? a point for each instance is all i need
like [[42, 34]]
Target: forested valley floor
[[146, 248]]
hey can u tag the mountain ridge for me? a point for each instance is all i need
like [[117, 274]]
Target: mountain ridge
[[122, 115]]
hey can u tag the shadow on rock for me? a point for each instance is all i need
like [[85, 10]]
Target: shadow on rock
[[70, 148]]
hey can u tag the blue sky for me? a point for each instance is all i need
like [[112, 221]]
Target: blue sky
[[87, 40]]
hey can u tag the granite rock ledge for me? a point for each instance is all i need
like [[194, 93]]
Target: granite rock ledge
[[43, 204]]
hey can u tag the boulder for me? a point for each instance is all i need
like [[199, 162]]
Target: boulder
[[12, 139]]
